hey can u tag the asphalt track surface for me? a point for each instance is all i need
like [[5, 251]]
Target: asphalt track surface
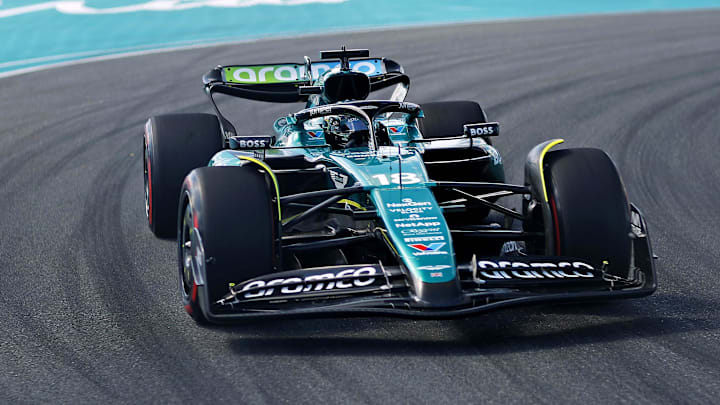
[[89, 310]]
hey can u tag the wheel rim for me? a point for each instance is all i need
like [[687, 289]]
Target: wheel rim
[[186, 249]]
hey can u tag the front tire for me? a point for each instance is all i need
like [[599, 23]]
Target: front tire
[[590, 208], [236, 221]]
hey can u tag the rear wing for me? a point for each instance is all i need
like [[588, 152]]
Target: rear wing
[[284, 82], [281, 82]]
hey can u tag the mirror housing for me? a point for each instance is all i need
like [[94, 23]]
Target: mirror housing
[[308, 90]]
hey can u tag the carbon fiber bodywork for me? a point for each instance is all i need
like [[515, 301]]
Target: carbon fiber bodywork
[[482, 290], [393, 222]]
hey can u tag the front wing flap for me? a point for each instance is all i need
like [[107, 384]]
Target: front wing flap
[[375, 290]]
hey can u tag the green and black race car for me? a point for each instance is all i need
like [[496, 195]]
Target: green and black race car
[[379, 207]]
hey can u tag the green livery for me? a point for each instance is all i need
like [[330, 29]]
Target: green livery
[[354, 206], [409, 210]]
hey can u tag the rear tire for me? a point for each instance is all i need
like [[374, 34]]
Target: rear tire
[[445, 119], [591, 206], [232, 210], [174, 144]]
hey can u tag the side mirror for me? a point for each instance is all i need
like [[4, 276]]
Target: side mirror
[[308, 90]]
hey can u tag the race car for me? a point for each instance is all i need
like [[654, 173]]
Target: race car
[[378, 207]]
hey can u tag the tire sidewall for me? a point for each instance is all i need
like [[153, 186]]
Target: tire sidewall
[[238, 227], [187, 141], [190, 300], [590, 208]]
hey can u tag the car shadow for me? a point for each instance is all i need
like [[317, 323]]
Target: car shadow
[[523, 330]]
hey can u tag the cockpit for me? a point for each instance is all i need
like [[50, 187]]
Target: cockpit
[[357, 124]]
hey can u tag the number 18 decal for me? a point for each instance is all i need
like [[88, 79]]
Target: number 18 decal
[[395, 178]]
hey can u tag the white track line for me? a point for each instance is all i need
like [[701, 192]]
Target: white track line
[[210, 43]]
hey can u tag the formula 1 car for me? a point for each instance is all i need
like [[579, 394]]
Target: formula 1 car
[[378, 207]]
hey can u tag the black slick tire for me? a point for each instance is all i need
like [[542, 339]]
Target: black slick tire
[[590, 208], [445, 119], [174, 144], [233, 211]]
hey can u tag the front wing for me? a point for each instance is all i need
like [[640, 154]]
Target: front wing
[[374, 290]]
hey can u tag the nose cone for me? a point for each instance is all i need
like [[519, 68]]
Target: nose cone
[[421, 237]]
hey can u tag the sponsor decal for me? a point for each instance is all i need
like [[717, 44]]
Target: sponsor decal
[[319, 111], [415, 217], [427, 248], [371, 67], [512, 248], [422, 249], [293, 72], [417, 224], [435, 267], [294, 284], [395, 130], [354, 155], [315, 134], [436, 274], [425, 239], [393, 151], [411, 210], [263, 74], [498, 270], [339, 179], [250, 142], [382, 152], [408, 106], [482, 129], [419, 231], [408, 202]]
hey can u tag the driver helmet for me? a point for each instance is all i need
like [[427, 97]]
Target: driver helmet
[[342, 132]]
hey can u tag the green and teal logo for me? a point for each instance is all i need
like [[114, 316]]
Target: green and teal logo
[[295, 72], [265, 74]]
